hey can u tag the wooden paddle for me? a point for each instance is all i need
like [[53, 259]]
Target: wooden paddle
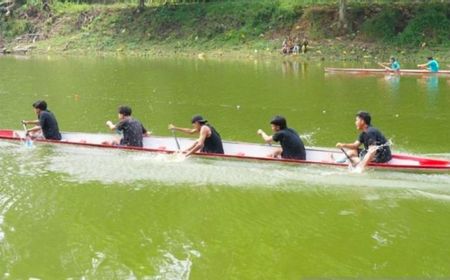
[[28, 140], [384, 66], [176, 139], [349, 158]]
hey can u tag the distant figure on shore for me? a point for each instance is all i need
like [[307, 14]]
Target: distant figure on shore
[[290, 46], [376, 148], [394, 65], [296, 47], [304, 45], [46, 125], [209, 140], [132, 129], [286, 47], [432, 65], [292, 146]]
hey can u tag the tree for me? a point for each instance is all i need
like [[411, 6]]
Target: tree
[[141, 5], [342, 14]]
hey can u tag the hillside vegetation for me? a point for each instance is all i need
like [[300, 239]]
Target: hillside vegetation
[[372, 27]]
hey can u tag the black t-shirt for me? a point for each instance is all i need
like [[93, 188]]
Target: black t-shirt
[[49, 125], [374, 137], [371, 137], [133, 132], [213, 144], [292, 145]]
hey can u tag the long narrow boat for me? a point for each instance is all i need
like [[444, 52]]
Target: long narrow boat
[[237, 150], [384, 71]]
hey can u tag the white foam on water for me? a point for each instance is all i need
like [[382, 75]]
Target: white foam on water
[[381, 241], [432, 196], [172, 267], [113, 166], [80, 164]]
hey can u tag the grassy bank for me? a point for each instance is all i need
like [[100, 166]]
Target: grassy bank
[[236, 28]]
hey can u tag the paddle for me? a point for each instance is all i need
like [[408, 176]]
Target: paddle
[[384, 66], [28, 141], [349, 158], [176, 139]]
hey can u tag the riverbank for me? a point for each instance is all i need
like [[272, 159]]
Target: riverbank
[[232, 29]]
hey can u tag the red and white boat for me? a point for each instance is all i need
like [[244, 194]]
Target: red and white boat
[[385, 71], [236, 150]]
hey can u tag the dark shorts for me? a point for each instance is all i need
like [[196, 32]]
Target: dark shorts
[[382, 155], [297, 157]]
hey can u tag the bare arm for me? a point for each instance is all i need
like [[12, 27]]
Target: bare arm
[[34, 129], [198, 145], [110, 125], [184, 130], [35, 122], [422, 65], [353, 146], [268, 139]]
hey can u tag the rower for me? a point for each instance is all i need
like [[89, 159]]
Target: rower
[[46, 125], [209, 140], [132, 129], [391, 66], [376, 147], [432, 65], [292, 146]]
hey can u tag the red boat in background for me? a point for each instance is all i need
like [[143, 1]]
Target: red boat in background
[[384, 71]]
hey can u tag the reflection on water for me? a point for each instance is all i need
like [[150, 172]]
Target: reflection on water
[[430, 82], [393, 82], [294, 68]]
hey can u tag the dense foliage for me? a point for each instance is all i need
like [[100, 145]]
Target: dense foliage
[[231, 22]]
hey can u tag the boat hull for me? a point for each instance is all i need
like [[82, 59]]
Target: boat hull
[[384, 71], [236, 150]]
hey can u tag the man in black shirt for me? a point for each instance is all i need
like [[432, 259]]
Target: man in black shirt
[[133, 131], [46, 123], [209, 140], [292, 146], [376, 147]]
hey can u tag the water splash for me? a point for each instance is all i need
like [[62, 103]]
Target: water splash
[[81, 165], [77, 164]]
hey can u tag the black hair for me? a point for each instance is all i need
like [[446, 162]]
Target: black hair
[[365, 116], [199, 119], [40, 104], [430, 58], [280, 121], [125, 110]]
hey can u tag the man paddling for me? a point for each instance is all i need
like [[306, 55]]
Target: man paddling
[[376, 148], [45, 124], [292, 146], [132, 129], [392, 66], [209, 140], [432, 65]]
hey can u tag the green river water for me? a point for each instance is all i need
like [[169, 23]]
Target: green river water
[[84, 213]]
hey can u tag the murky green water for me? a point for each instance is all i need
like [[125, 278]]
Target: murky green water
[[78, 213]]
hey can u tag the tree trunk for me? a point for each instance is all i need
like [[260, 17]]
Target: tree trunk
[[342, 14], [141, 5]]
